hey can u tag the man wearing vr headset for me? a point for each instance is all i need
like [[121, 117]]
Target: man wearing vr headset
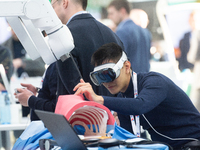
[[164, 109]]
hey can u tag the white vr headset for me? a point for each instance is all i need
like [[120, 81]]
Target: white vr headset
[[107, 72]]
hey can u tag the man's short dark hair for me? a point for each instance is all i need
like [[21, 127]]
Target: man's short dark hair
[[83, 3], [118, 4], [105, 53]]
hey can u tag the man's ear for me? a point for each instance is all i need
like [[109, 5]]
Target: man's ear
[[127, 66], [65, 3], [123, 10]]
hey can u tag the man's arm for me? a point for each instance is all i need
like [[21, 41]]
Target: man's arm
[[46, 99], [154, 91], [42, 104], [86, 89]]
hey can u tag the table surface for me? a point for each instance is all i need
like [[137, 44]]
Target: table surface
[[8, 127], [25, 121]]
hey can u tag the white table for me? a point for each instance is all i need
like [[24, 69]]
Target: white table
[[12, 127]]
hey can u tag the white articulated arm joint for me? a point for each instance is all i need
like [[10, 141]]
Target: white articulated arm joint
[[28, 18], [60, 38]]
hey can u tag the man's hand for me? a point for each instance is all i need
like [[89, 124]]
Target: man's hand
[[30, 87], [23, 96], [86, 89]]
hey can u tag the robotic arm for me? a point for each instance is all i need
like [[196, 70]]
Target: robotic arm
[[28, 18]]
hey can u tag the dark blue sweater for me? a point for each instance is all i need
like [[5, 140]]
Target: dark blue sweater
[[164, 104]]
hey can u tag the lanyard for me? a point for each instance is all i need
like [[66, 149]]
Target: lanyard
[[135, 120]]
